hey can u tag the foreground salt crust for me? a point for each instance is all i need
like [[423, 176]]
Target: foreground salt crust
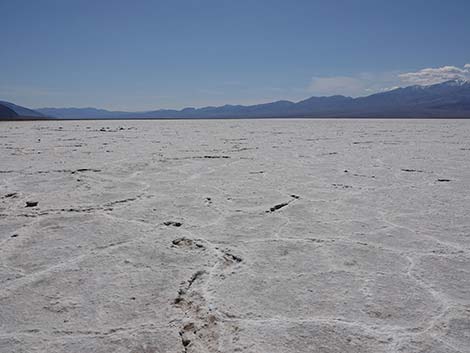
[[235, 236]]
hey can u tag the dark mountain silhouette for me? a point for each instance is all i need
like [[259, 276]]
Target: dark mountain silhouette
[[12, 111], [6, 112], [449, 99]]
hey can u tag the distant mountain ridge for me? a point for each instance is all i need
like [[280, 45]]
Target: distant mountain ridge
[[12, 111], [448, 99], [80, 112], [6, 112]]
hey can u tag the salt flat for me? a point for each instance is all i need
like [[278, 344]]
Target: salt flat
[[257, 236]]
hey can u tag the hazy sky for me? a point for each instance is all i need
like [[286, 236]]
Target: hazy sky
[[142, 54]]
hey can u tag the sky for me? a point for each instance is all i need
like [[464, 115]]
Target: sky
[[143, 55]]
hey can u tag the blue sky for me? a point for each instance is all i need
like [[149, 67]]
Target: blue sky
[[141, 54]]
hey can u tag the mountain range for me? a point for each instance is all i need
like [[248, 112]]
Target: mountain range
[[12, 111], [449, 99]]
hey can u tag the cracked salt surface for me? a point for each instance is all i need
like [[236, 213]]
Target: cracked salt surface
[[235, 236]]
